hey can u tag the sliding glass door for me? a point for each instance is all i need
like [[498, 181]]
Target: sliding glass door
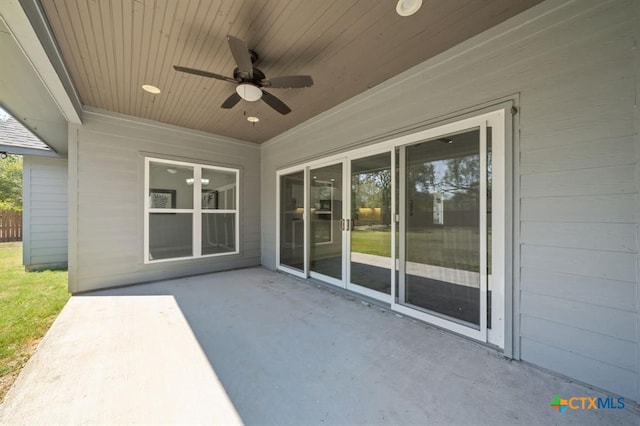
[[443, 226], [339, 230], [444, 256], [326, 222], [418, 223], [291, 222], [370, 225]]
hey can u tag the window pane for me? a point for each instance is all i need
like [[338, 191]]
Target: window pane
[[443, 226], [371, 217], [170, 235], [325, 236], [218, 189], [218, 233], [170, 186]]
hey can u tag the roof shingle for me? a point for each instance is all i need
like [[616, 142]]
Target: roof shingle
[[14, 134]]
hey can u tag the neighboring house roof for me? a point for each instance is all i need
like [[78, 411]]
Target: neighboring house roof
[[14, 134]]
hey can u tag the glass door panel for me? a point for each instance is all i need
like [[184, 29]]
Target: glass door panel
[[370, 258], [443, 224], [292, 220], [326, 221]]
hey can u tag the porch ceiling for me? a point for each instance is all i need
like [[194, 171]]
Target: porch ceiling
[[112, 48]]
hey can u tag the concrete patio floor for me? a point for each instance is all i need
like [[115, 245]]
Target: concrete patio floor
[[256, 347]]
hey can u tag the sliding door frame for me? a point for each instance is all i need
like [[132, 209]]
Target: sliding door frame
[[357, 155], [343, 212], [442, 320], [305, 272], [502, 230]]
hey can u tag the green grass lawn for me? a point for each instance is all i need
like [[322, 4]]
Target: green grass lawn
[[450, 247], [371, 242], [29, 302]]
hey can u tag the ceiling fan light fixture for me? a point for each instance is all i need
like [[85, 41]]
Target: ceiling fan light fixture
[[408, 7], [249, 92], [203, 181]]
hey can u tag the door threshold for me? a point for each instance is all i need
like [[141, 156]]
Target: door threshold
[[340, 290]]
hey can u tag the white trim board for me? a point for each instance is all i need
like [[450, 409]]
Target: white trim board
[[18, 23]]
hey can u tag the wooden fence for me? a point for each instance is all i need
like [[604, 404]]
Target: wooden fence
[[10, 226]]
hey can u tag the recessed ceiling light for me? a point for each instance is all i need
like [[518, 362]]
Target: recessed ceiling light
[[253, 119], [408, 7], [151, 89]]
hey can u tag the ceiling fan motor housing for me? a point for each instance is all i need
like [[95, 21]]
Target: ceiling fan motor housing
[[241, 77]]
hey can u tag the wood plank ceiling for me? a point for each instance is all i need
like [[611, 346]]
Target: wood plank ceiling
[[113, 47]]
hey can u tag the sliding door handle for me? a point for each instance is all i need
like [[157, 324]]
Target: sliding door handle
[[346, 224]]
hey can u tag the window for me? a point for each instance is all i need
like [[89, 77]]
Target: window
[[191, 210]]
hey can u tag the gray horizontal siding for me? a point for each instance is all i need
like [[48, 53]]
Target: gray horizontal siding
[[592, 209], [594, 181], [592, 263], [45, 212], [580, 315], [619, 295], [573, 66], [49, 235], [594, 236], [108, 180], [49, 221], [617, 152], [579, 216], [618, 352], [607, 376], [48, 242]]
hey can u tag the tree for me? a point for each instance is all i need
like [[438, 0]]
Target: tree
[[373, 189], [462, 174], [11, 183]]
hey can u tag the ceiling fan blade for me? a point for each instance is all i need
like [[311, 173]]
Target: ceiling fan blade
[[203, 73], [289, 82], [231, 101], [275, 103], [241, 55]]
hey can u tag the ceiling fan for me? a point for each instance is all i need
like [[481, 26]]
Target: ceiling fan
[[251, 81]]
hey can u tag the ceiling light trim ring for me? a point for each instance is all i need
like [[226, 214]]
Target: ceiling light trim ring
[[408, 7]]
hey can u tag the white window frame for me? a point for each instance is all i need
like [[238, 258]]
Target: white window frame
[[196, 211]]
